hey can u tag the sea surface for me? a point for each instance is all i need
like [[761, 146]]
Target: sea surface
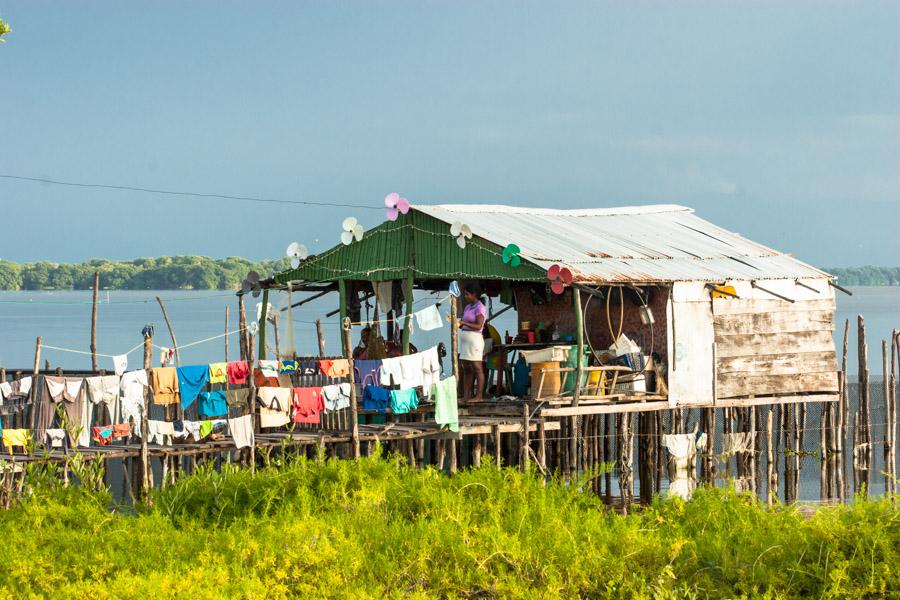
[[63, 320]]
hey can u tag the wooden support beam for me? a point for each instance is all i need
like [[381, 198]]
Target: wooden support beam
[[171, 331], [320, 334], [263, 318], [454, 335], [354, 414], [342, 298], [96, 299], [408, 284]]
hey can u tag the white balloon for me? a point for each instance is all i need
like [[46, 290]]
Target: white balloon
[[358, 233], [466, 231], [347, 238], [461, 241], [349, 223], [295, 262], [455, 228]]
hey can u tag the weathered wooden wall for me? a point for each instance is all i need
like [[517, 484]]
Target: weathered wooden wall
[[771, 346]]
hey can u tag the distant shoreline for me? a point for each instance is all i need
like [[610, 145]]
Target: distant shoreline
[[205, 273]]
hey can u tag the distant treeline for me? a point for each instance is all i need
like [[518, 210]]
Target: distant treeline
[[866, 275], [204, 273], [165, 273]]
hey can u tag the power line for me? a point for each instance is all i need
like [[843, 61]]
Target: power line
[[177, 193]]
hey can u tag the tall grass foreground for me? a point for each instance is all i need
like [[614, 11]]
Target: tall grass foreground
[[377, 528]]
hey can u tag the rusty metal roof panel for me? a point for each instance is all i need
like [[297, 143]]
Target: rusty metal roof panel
[[659, 243]]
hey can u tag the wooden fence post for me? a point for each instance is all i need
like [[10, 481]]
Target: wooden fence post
[[94, 364], [354, 410]]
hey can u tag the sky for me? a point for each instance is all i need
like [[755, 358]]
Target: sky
[[780, 121]]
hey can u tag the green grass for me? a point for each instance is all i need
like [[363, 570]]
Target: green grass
[[377, 528]]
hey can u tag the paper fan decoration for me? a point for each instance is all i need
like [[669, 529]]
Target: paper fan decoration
[[511, 255], [352, 231], [396, 205], [250, 285], [560, 278], [461, 232], [297, 253]]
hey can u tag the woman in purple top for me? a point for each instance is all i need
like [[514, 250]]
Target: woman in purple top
[[471, 343]]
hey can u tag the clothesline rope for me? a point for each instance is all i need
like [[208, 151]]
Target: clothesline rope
[[72, 350]]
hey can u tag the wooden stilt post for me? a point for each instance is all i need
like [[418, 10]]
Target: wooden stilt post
[[526, 445], [408, 284], [454, 335], [542, 445], [453, 456], [843, 419], [226, 333], [342, 295], [243, 334], [579, 374], [171, 331], [320, 333], [771, 471], [476, 451], [275, 324], [354, 409], [498, 446], [96, 299], [146, 471], [864, 440], [263, 319], [888, 475], [605, 456], [35, 388]]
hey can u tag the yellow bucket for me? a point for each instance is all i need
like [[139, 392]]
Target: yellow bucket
[[552, 381]]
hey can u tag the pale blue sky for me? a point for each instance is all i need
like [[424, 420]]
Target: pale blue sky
[[777, 120]]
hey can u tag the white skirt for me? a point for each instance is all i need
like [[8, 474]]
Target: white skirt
[[471, 346]]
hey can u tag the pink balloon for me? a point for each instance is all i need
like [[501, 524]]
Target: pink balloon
[[553, 272], [403, 205], [392, 214], [392, 199]]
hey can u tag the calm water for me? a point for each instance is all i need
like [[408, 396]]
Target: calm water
[[63, 319]]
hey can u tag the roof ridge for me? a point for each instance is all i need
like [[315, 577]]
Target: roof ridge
[[576, 212]]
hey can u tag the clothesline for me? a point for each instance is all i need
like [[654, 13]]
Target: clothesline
[[400, 318], [72, 350], [203, 341]]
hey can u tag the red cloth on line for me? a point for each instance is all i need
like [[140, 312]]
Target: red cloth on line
[[237, 372], [308, 405], [325, 366]]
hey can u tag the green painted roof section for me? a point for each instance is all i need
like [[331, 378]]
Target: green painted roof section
[[417, 243]]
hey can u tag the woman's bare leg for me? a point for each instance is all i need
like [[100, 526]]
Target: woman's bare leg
[[478, 368]]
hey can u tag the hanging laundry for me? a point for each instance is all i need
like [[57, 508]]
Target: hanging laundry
[[732, 443], [242, 431], [107, 433], [268, 367], [165, 385], [384, 294], [5, 390], [429, 319], [120, 364], [185, 429], [276, 406], [238, 371], [287, 366], [21, 387], [340, 368], [262, 381], [166, 356], [285, 380], [391, 371], [446, 412], [105, 390], [307, 368], [238, 398], [191, 380], [57, 438], [308, 405], [160, 432], [16, 438], [325, 366], [430, 364], [132, 386], [367, 371], [376, 398], [218, 372], [67, 391], [336, 397], [212, 404], [403, 401], [206, 428]]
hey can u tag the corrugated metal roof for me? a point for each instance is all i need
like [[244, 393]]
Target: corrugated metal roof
[[660, 243]]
